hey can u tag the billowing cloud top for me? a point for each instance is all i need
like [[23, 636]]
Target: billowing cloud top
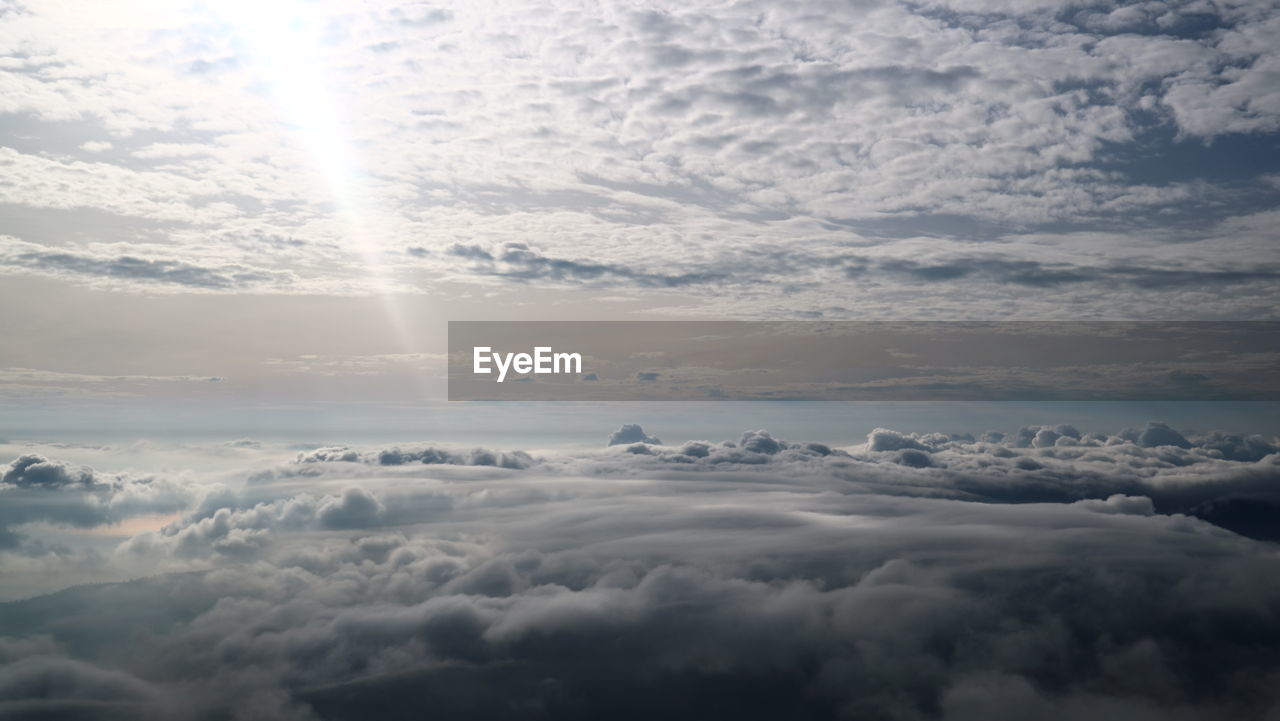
[[1048, 572]]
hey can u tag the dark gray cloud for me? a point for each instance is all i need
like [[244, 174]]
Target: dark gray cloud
[[517, 261], [1038, 274], [32, 471], [1234, 447], [130, 268], [765, 266], [755, 91], [53, 686]]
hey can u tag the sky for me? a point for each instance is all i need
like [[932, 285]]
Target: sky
[[232, 235]]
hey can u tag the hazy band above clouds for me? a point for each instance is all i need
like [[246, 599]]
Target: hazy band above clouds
[[852, 360]]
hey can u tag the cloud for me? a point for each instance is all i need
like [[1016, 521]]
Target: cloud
[[516, 261], [33, 471], [883, 439], [427, 455], [750, 578], [1017, 267], [57, 378], [760, 442], [631, 433], [160, 271], [1157, 434], [51, 684], [36, 489], [1120, 503], [1235, 447], [724, 152], [356, 508], [1045, 275]]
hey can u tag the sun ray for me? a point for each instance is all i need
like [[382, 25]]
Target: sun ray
[[286, 49]]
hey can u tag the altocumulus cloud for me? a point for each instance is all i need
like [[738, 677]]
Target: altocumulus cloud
[[1048, 572], [732, 152]]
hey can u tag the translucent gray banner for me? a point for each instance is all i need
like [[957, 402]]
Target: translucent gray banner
[[854, 360]]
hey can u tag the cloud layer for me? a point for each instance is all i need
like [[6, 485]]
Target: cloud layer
[[1047, 572], [807, 159]]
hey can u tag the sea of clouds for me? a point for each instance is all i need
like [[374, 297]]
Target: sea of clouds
[[1045, 573]]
